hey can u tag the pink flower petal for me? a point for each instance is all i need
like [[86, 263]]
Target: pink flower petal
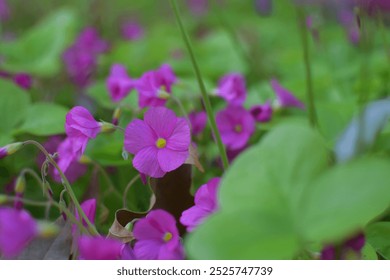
[[145, 161], [170, 160], [181, 136], [161, 120], [139, 135]]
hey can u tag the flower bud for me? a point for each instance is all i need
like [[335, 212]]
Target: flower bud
[[116, 116], [47, 230], [10, 149], [107, 127]]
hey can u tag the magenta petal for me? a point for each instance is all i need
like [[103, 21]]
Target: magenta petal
[[161, 120], [181, 136], [192, 217], [99, 248], [206, 196], [17, 229], [170, 160], [139, 135], [176, 253], [147, 249], [145, 161], [286, 98], [148, 228]]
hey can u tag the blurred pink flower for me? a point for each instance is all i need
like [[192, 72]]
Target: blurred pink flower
[[236, 126], [67, 160], [89, 208], [81, 58], [198, 122], [154, 86], [119, 84], [262, 113], [132, 30], [4, 10], [17, 229], [99, 248], [205, 204], [231, 87], [285, 97], [157, 237], [160, 142], [23, 80], [80, 126]]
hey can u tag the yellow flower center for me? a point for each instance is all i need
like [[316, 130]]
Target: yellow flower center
[[238, 128], [161, 143], [168, 236]]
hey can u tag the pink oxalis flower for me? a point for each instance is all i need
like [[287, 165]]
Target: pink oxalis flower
[[119, 84], [205, 204], [81, 58], [89, 208], [154, 87], [66, 159], [231, 87], [262, 113], [236, 126], [198, 122], [99, 248], [80, 126], [157, 237], [132, 30], [17, 229], [160, 142], [285, 98]]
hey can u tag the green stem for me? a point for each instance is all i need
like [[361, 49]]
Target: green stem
[[128, 188], [306, 59], [111, 187], [206, 100], [66, 184], [38, 179]]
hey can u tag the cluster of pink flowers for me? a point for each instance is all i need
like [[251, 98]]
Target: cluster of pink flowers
[[235, 123], [154, 87]]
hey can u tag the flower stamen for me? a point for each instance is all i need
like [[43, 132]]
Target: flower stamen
[[161, 143]]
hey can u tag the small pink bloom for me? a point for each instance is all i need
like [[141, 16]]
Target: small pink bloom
[[99, 248], [4, 10], [80, 126], [89, 40], [263, 7], [154, 86], [119, 84], [89, 208], [67, 160], [17, 229], [81, 58], [198, 122], [262, 113], [198, 7], [231, 87], [286, 98], [157, 237], [128, 252], [23, 80], [132, 31], [236, 126], [160, 142], [205, 204]]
